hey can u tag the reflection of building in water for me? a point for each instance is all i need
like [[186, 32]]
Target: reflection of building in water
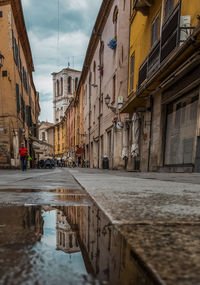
[[66, 238], [24, 224], [110, 256]]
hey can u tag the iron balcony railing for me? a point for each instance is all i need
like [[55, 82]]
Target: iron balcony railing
[[171, 37]]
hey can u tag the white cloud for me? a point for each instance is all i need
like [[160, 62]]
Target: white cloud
[[44, 83], [76, 20], [26, 3], [46, 111], [77, 4]]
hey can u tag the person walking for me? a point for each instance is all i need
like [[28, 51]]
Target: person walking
[[23, 152]]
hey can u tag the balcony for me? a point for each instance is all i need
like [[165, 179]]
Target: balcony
[[143, 6], [172, 36]]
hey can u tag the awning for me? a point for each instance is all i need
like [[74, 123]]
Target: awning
[[79, 151]]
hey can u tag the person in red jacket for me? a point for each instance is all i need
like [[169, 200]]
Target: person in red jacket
[[23, 152]]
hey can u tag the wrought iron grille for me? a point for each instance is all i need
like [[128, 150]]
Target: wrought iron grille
[[170, 34], [142, 73]]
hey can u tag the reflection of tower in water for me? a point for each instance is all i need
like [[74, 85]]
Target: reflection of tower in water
[[66, 238]]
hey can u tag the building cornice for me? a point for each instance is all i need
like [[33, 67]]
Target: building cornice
[[65, 70], [21, 29], [95, 37]]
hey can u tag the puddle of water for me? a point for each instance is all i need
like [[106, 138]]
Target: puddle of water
[[64, 245], [56, 197], [59, 191]]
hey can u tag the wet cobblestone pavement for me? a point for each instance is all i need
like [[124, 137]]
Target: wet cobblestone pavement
[[60, 236], [128, 231]]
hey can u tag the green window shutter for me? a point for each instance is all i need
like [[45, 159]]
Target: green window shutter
[[28, 116], [17, 98]]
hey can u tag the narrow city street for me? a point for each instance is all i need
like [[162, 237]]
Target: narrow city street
[[78, 226], [100, 142]]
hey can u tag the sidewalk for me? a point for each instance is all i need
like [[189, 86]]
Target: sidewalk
[[158, 217]]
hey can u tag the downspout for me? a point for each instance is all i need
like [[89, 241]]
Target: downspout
[[99, 119], [150, 133], [89, 148]]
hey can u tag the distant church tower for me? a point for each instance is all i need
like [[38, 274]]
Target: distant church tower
[[65, 83]]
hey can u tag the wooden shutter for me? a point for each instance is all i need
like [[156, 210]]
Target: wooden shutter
[[114, 88], [17, 98]]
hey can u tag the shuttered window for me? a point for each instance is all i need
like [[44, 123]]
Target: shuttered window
[[132, 63], [28, 116], [114, 89], [169, 6], [17, 98], [155, 31]]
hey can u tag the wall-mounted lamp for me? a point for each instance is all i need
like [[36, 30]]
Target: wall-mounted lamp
[[107, 102], [1, 60]]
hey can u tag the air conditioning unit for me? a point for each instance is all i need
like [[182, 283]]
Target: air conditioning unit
[[185, 30]]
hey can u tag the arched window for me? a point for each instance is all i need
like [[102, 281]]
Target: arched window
[[57, 87], [61, 86], [76, 83], [115, 16], [94, 70], [101, 54], [69, 85]]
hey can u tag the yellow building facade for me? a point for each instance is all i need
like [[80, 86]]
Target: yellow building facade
[[163, 90], [79, 123], [60, 139], [19, 101]]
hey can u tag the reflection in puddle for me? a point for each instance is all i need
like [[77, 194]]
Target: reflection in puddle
[[64, 245]]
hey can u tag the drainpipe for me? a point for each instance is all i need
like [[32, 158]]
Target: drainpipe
[[89, 148], [99, 127], [150, 133]]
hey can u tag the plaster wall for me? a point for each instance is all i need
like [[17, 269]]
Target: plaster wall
[[115, 63]]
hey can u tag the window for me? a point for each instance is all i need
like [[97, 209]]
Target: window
[[101, 54], [63, 240], [94, 114], [61, 86], [76, 83], [1, 14], [155, 31], [109, 143], [132, 63], [101, 104], [17, 98], [69, 85], [57, 87], [115, 15], [43, 136], [85, 95], [114, 88], [181, 129], [169, 7], [122, 53], [94, 70]]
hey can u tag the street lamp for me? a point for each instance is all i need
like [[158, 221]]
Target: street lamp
[[107, 102], [107, 99], [1, 60]]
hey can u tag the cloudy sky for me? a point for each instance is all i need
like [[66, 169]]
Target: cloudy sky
[[52, 50]]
